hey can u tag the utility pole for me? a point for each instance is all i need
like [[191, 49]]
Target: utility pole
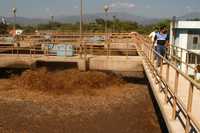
[[14, 11], [106, 9], [114, 23], [52, 19], [174, 28], [81, 27]]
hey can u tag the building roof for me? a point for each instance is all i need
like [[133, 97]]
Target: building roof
[[188, 24]]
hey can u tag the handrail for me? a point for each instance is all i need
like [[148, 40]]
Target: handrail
[[187, 63], [172, 65], [89, 48], [185, 49], [149, 52]]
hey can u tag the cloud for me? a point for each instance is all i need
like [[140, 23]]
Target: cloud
[[188, 8], [76, 7], [47, 9], [121, 5], [147, 6]]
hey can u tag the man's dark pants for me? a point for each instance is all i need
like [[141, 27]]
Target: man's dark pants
[[161, 49]]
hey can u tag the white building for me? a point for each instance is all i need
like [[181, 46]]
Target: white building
[[186, 35]]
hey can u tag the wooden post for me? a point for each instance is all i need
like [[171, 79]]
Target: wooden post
[[175, 95], [189, 108]]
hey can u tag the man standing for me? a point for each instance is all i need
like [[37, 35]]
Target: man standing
[[152, 37], [162, 39], [153, 34]]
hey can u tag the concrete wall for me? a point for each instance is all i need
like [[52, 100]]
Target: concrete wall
[[112, 63], [116, 63]]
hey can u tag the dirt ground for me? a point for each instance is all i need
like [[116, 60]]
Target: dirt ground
[[119, 106]]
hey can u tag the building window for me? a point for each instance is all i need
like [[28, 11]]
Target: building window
[[193, 58], [195, 40]]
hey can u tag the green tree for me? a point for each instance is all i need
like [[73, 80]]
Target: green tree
[[3, 28]]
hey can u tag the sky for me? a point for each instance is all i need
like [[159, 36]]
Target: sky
[[145, 8]]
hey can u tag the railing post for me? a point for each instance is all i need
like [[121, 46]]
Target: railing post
[[107, 48], [91, 49], [12, 50], [176, 56], [189, 108], [30, 53], [181, 59], [127, 50], [161, 70], [85, 51], [196, 63], [161, 66], [187, 61], [167, 79], [81, 48], [17, 51], [66, 50], [151, 53], [175, 95]]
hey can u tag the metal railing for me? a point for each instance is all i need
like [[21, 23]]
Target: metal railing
[[107, 48], [171, 92], [185, 59]]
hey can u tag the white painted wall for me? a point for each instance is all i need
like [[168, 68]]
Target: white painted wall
[[183, 40]]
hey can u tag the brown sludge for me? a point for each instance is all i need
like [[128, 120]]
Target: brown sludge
[[75, 102], [67, 81]]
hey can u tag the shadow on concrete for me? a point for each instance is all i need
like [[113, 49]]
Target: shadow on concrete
[[55, 66], [140, 78], [161, 120]]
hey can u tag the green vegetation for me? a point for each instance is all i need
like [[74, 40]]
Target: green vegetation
[[3, 28], [115, 25]]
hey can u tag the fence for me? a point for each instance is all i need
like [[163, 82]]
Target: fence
[[118, 44], [188, 61]]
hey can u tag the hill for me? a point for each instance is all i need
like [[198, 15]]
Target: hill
[[87, 18]]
